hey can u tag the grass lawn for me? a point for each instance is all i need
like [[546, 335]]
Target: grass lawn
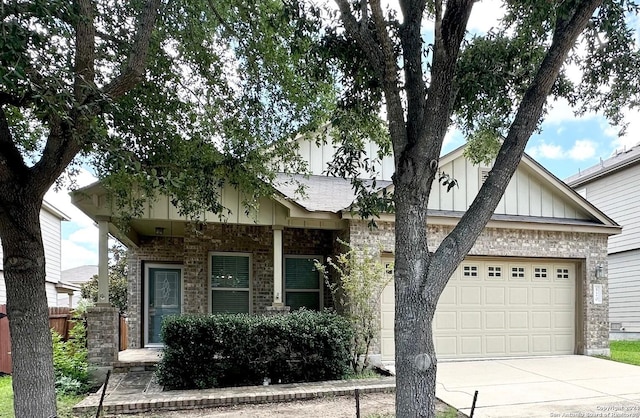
[[625, 351], [65, 402]]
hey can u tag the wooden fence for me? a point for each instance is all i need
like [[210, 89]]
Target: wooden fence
[[59, 320]]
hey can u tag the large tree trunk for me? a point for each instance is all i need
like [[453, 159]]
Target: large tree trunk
[[24, 273], [415, 352]]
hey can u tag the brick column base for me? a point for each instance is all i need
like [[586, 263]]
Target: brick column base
[[102, 335]]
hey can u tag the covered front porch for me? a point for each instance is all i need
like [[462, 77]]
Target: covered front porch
[[259, 261]]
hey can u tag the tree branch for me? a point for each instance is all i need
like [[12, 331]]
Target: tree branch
[[12, 166], [461, 239], [84, 71], [415, 86], [137, 61]]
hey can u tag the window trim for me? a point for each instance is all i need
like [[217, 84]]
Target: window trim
[[210, 272], [320, 289]]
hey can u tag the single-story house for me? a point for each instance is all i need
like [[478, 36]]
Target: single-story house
[[51, 219], [534, 283], [614, 186]]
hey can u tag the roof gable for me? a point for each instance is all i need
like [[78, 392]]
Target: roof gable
[[532, 192]]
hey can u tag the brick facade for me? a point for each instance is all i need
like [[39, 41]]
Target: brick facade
[[192, 252], [587, 249]]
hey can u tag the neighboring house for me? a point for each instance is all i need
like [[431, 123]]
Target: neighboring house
[[76, 276], [613, 185], [529, 286], [51, 224]]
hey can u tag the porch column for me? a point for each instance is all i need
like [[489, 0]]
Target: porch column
[[277, 266], [103, 263]]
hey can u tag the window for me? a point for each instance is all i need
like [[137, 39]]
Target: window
[[562, 273], [540, 273], [230, 283], [470, 271], [517, 272], [302, 283], [494, 272]]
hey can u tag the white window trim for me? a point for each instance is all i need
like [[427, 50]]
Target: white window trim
[[210, 268], [320, 289], [145, 302]]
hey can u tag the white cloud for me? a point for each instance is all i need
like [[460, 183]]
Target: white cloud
[[560, 111], [86, 235], [74, 255], [581, 150], [485, 15], [544, 150]]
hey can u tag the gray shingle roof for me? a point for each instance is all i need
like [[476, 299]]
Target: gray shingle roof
[[321, 193]]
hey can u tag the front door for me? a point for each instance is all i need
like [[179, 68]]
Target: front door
[[164, 297]]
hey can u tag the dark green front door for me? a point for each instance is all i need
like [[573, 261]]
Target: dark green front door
[[164, 298]]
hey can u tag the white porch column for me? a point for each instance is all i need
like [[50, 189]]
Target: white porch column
[[103, 263], [277, 266]]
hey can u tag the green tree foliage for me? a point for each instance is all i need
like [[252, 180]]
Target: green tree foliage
[[361, 278], [118, 286], [161, 97], [429, 73]]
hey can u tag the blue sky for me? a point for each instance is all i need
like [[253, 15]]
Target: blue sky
[[565, 145]]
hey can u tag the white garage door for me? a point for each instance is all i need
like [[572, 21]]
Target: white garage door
[[499, 308]]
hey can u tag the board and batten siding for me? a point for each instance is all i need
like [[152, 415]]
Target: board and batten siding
[[624, 291], [318, 156], [618, 195], [527, 193]]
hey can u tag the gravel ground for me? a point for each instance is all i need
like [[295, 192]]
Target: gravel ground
[[379, 405]]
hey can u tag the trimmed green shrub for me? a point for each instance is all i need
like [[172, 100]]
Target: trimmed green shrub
[[203, 351]]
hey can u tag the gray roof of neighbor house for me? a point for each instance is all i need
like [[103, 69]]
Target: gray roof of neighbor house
[[321, 193], [617, 162], [80, 274]]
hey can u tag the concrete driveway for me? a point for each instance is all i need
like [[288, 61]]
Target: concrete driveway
[[566, 386]]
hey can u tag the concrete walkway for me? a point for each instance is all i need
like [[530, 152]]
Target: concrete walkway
[[566, 386], [137, 392]]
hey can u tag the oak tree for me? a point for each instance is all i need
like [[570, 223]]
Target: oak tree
[[430, 73], [173, 97]]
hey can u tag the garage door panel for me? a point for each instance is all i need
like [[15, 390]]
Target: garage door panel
[[519, 320], [494, 295], [518, 344], [446, 346], [471, 321], [541, 344], [448, 297], [444, 321], [496, 345], [563, 320], [495, 320], [540, 296], [564, 343], [563, 296], [470, 295], [541, 320], [501, 309], [518, 295], [471, 345]]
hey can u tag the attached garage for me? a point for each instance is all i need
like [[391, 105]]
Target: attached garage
[[502, 307]]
